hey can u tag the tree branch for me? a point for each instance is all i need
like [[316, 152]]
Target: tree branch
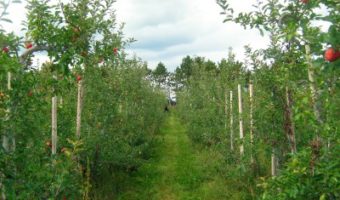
[[31, 51]]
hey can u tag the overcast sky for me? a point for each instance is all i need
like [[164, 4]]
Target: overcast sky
[[168, 30]]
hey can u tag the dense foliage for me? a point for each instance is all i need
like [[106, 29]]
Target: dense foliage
[[272, 119], [293, 110], [121, 111]]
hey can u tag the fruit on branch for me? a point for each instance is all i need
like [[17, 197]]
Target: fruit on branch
[[331, 55], [78, 78], [28, 45], [304, 1], [5, 49], [115, 50]]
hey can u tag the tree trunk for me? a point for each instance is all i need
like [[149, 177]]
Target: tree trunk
[[7, 137], [240, 112], [2, 188], [288, 121], [312, 85], [316, 143]]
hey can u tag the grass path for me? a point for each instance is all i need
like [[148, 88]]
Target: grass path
[[178, 170]]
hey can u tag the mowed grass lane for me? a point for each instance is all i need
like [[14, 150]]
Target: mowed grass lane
[[177, 171]]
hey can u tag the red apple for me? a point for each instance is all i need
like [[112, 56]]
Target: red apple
[[115, 50], [78, 78], [304, 1], [28, 45], [331, 55], [5, 49]]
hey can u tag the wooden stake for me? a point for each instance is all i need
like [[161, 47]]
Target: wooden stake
[[273, 162], [9, 80], [240, 112], [251, 91], [226, 112], [5, 138], [79, 108], [54, 125], [231, 122]]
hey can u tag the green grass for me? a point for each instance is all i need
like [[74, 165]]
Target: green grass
[[178, 170]]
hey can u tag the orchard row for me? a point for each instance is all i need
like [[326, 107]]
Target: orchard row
[[274, 117], [86, 113]]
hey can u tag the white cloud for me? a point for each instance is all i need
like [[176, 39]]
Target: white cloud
[[149, 12], [17, 14], [168, 30]]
